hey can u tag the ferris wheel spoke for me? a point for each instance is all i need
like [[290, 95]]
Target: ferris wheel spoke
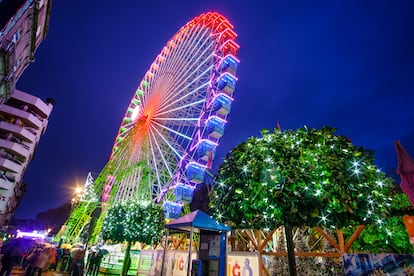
[[183, 107], [177, 63], [157, 171], [178, 100], [194, 94], [190, 79], [183, 119], [161, 152], [173, 131], [190, 72], [180, 54], [167, 143]]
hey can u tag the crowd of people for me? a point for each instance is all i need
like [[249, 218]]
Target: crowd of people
[[39, 258], [45, 256]]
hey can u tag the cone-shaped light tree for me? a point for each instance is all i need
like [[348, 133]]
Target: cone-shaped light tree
[[303, 177]]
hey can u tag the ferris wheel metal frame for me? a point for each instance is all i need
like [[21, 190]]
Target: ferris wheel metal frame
[[168, 136]]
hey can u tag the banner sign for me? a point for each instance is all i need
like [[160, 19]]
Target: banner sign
[[243, 263], [150, 262], [180, 262], [388, 264]]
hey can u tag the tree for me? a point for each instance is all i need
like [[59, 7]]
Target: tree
[[295, 178], [134, 221], [88, 193]]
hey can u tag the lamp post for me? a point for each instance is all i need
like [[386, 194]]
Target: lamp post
[[77, 196]]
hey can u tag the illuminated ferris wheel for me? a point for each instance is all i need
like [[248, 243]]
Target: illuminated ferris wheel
[[171, 129]]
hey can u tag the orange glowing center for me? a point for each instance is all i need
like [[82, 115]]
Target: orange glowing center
[[148, 113]]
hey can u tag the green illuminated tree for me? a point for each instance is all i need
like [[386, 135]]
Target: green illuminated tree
[[391, 236], [134, 221], [304, 177]]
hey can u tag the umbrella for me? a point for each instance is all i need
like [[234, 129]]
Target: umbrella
[[79, 245], [47, 245], [77, 253], [66, 246], [103, 251], [406, 171], [18, 246]]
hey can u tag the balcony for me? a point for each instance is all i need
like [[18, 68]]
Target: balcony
[[36, 104], [18, 131], [6, 184], [7, 165], [15, 148], [29, 119]]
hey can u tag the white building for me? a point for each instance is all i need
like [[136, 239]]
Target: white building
[[23, 119]]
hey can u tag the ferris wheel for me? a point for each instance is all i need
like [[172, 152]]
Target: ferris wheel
[[168, 137]]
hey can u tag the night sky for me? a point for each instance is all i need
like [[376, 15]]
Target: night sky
[[344, 64]]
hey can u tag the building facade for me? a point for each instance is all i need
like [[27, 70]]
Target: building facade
[[23, 117], [24, 24]]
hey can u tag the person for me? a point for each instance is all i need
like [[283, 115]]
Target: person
[[7, 263], [90, 265], [66, 261], [97, 262], [59, 255], [90, 261], [76, 268], [34, 259]]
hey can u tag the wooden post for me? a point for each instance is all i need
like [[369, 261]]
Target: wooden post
[[327, 237], [259, 247], [256, 246], [262, 245], [354, 236], [341, 242], [267, 239], [341, 245]]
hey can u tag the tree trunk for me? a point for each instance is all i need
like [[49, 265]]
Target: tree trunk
[[290, 249], [127, 260]]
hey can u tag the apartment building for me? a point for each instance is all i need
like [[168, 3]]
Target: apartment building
[[23, 117]]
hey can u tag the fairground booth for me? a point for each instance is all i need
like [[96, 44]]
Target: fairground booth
[[206, 254]]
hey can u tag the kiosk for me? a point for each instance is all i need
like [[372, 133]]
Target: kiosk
[[211, 257]]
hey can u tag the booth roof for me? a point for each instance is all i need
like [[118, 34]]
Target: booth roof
[[197, 219]]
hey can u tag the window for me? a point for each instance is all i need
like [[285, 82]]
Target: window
[[16, 36], [38, 31], [16, 64]]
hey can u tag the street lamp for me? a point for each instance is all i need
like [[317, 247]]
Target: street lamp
[[77, 196]]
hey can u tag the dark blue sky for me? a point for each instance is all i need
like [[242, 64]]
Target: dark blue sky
[[345, 64]]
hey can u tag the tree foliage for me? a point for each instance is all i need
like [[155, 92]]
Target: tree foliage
[[134, 221], [304, 177], [391, 236]]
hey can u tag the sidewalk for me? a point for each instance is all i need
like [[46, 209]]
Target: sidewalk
[[17, 270]]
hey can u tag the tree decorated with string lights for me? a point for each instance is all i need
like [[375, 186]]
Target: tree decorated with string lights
[[389, 236], [134, 221], [303, 177]]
